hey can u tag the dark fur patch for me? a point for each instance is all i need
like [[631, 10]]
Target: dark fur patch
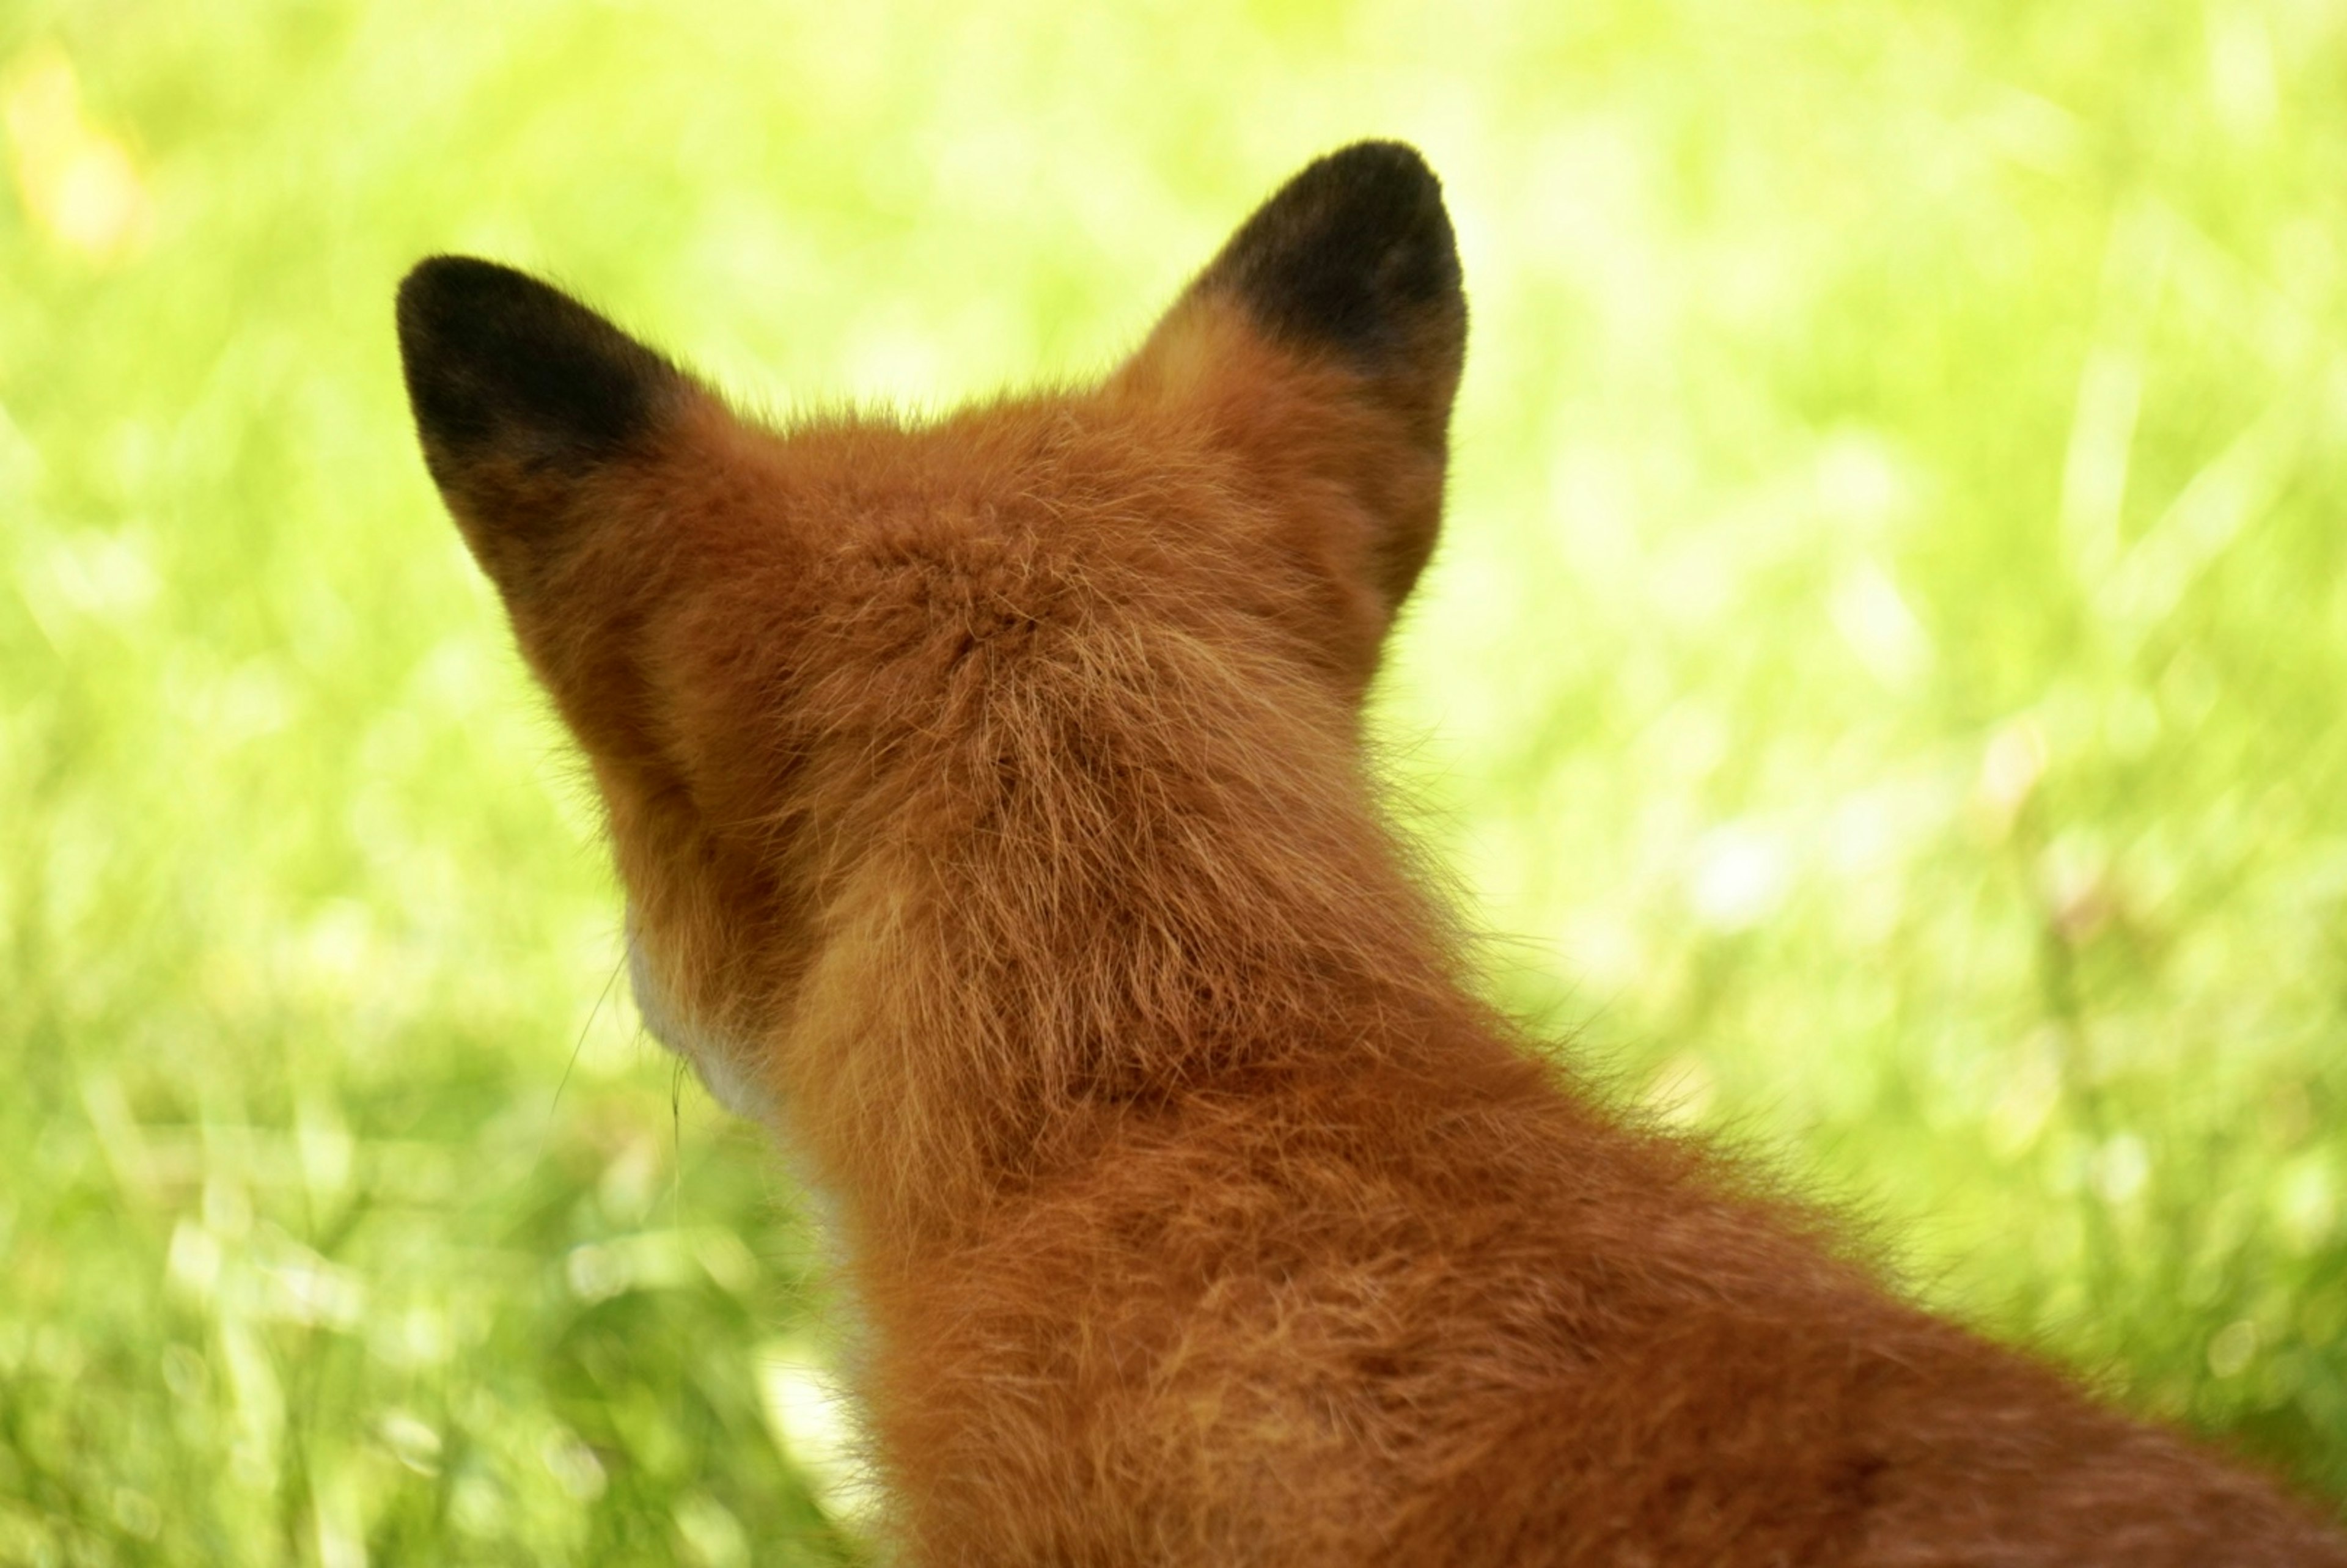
[[1355, 254], [501, 365]]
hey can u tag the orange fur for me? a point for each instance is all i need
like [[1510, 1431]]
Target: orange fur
[[990, 802]]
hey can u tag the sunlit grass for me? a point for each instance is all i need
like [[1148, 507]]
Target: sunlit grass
[[1883, 681]]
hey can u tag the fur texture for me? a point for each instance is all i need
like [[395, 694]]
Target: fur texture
[[990, 802]]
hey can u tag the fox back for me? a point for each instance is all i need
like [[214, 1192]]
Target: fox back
[[991, 801]]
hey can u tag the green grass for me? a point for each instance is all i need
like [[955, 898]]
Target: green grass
[[1883, 679]]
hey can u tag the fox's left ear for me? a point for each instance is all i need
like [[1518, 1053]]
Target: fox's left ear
[[1328, 337], [528, 406]]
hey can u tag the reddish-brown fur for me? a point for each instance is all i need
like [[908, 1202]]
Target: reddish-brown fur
[[990, 794]]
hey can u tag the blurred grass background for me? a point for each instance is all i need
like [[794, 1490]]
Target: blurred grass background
[[1882, 680]]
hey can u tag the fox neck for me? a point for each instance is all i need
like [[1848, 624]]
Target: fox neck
[[994, 998]]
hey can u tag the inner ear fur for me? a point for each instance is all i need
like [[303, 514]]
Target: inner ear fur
[[1328, 333]]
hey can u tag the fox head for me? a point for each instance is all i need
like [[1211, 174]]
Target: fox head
[[1033, 681]]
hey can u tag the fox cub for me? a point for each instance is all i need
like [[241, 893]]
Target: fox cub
[[989, 797]]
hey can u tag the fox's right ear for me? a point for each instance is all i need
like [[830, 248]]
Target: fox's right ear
[[1325, 338], [525, 401]]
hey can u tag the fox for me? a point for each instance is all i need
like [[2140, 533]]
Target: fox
[[996, 822]]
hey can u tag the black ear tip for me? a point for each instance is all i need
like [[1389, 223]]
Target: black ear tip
[[1357, 251], [1394, 168], [1385, 187], [495, 358], [442, 296]]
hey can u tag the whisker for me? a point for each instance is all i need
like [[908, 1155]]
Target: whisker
[[676, 1142], [577, 1046]]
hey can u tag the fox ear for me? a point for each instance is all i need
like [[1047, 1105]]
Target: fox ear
[[523, 397], [1350, 274], [1355, 258]]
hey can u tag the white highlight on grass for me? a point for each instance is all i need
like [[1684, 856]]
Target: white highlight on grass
[[712, 1534], [2236, 488], [309, 1290], [2122, 1169], [2094, 469], [2233, 1347], [2013, 763], [2032, 1093], [647, 1260], [573, 1464], [1740, 875], [77, 183], [193, 1263], [2243, 86], [337, 1518], [2307, 1204], [1874, 619], [411, 1440]]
